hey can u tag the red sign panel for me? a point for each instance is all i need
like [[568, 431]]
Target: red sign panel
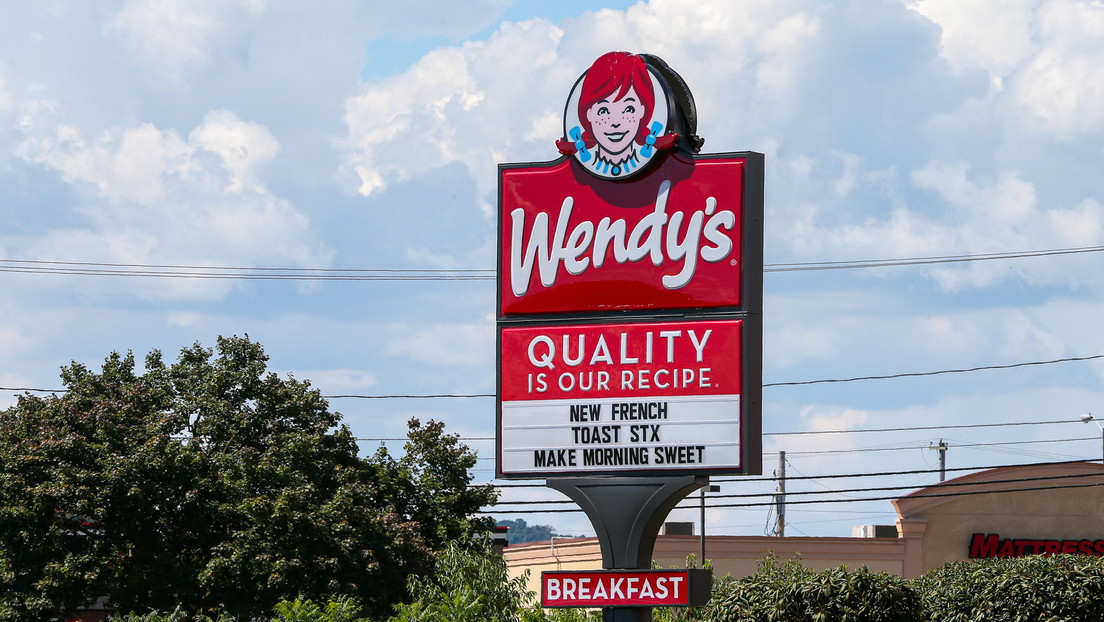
[[620, 397], [573, 243], [622, 588]]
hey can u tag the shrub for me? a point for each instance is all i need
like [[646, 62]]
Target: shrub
[[339, 609], [1054, 588], [788, 591], [177, 615], [470, 583]]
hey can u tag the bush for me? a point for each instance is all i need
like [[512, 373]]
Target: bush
[[788, 591], [470, 583], [1038, 588], [178, 615], [339, 609]]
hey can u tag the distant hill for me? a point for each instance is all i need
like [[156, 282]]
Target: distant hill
[[520, 532]]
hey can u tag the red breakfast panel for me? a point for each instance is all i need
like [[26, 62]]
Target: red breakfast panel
[[571, 243], [628, 588]]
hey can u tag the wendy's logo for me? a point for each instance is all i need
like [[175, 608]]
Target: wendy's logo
[[625, 110]]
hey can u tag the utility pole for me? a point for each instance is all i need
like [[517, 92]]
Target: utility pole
[[780, 530], [942, 449]]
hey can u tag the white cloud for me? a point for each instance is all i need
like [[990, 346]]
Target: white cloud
[[161, 198], [833, 419], [975, 214], [501, 99], [5, 100], [953, 335], [994, 35], [1045, 56], [243, 146], [455, 105], [171, 38], [1081, 225], [12, 341], [435, 17], [1025, 339], [1059, 91], [443, 344], [1002, 215], [331, 381], [184, 319], [793, 344]]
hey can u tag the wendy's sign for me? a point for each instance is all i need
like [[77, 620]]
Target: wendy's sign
[[632, 218], [673, 239], [638, 262]]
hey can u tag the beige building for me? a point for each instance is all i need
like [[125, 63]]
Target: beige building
[[1011, 511]]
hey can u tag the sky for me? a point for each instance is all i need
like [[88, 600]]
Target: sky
[[365, 135]]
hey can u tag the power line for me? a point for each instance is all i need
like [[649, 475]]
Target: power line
[[238, 273], [922, 428], [937, 373], [794, 433], [246, 268], [789, 493], [964, 493], [856, 450], [913, 261], [184, 271], [852, 450], [411, 396], [746, 479], [814, 432], [940, 372], [765, 385]]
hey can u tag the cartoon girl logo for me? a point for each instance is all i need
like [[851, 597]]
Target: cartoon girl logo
[[616, 117]]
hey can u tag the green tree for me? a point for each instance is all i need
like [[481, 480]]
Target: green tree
[[431, 485], [214, 485]]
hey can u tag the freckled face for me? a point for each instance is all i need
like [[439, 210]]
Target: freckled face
[[615, 123]]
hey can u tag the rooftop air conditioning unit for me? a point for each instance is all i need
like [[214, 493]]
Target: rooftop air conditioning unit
[[678, 529], [874, 531]]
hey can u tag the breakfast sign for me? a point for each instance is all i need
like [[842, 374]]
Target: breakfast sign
[[630, 290]]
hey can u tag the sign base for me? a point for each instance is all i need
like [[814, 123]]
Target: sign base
[[626, 513]]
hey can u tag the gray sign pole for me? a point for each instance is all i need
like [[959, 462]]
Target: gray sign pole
[[626, 513]]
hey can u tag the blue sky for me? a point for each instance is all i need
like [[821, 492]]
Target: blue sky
[[365, 135]]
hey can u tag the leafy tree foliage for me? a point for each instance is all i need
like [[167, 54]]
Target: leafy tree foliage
[[213, 485], [431, 485]]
